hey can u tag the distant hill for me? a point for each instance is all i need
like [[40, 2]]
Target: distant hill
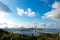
[[3, 31], [5, 35]]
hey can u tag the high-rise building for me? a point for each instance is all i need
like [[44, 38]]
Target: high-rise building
[[35, 28]]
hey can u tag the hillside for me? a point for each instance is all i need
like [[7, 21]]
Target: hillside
[[4, 35]]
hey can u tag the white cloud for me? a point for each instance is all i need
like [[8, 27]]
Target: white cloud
[[3, 14], [54, 13], [20, 11], [48, 25], [28, 12], [39, 25], [9, 25], [56, 5], [4, 10]]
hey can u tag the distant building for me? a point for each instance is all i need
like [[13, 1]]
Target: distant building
[[35, 28], [59, 34]]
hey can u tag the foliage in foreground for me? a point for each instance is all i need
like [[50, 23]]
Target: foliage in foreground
[[4, 35]]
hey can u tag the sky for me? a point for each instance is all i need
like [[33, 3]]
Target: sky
[[25, 13]]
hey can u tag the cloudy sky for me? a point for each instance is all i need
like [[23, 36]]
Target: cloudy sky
[[24, 13]]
